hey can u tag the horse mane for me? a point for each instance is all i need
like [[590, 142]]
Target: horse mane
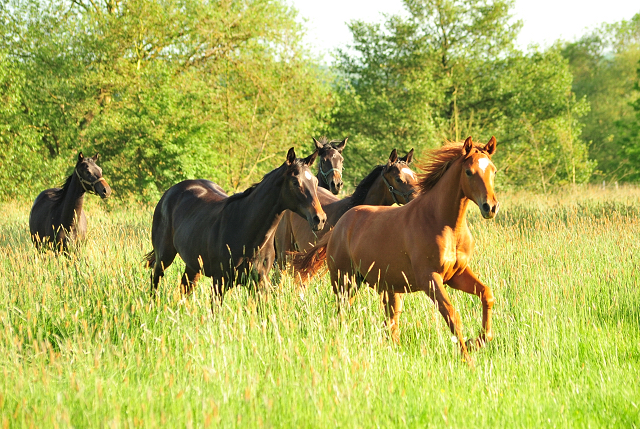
[[58, 194], [359, 195], [250, 189], [439, 161]]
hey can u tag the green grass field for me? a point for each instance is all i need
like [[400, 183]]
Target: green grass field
[[81, 344]]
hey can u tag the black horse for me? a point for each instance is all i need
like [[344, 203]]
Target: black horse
[[57, 218], [330, 163], [230, 239]]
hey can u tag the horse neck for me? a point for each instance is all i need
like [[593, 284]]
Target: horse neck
[[378, 194], [72, 202], [261, 210], [446, 202]]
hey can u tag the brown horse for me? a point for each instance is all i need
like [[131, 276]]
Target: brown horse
[[384, 186], [229, 238], [330, 164], [57, 218], [420, 246]]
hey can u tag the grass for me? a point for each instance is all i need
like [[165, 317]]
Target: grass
[[81, 344]]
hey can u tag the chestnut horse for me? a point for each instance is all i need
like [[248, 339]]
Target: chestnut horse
[[57, 218], [330, 164], [420, 246], [230, 239], [384, 186]]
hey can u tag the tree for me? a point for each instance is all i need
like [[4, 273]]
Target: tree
[[165, 90], [450, 70], [604, 64]]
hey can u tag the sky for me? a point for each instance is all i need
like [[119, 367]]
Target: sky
[[544, 21]]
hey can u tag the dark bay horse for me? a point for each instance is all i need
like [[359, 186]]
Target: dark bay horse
[[330, 163], [228, 238], [421, 246], [387, 184], [57, 218]]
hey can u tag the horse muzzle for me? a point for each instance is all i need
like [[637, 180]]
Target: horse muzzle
[[317, 221], [489, 211], [102, 188]]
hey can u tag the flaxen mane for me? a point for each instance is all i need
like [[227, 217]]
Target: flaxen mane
[[440, 160]]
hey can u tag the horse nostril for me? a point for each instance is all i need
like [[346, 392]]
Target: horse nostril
[[486, 207], [316, 219]]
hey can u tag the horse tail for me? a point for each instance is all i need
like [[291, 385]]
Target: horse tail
[[150, 259], [308, 263]]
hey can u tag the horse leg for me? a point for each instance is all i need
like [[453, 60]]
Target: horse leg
[[163, 260], [392, 303], [468, 282], [432, 284], [217, 294], [189, 280]]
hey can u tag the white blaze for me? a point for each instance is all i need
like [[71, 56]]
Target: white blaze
[[408, 172], [308, 175], [483, 163]]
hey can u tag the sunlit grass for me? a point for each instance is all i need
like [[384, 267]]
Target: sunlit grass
[[82, 344]]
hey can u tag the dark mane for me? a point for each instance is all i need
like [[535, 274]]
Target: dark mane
[[58, 194], [326, 144], [250, 189], [440, 160], [359, 195]]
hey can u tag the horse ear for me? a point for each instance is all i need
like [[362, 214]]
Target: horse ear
[[311, 158], [291, 156], [408, 157], [95, 157], [340, 146], [80, 156], [490, 148], [393, 157], [468, 145], [318, 144]]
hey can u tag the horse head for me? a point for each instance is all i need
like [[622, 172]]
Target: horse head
[[300, 190], [478, 173], [399, 179], [330, 164], [90, 176]]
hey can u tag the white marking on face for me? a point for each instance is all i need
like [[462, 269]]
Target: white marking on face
[[483, 163], [408, 172], [308, 175]]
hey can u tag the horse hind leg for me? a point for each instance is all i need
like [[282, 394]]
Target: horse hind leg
[[392, 303], [162, 262], [189, 280]]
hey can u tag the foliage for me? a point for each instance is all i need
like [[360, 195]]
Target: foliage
[[604, 64], [165, 90], [450, 70], [82, 345]]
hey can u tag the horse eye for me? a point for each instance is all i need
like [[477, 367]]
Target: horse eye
[[468, 172]]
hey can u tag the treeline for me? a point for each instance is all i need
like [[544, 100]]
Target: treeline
[[173, 89]]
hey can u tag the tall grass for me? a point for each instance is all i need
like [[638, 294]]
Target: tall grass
[[82, 345]]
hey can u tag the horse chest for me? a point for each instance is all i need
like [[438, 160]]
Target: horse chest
[[453, 253]]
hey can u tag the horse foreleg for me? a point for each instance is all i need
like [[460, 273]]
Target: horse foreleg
[[217, 295], [468, 282], [189, 280], [392, 303], [432, 284]]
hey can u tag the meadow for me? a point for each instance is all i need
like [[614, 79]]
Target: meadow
[[83, 345]]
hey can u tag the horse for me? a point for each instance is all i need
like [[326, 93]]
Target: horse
[[330, 163], [57, 218], [391, 183], [228, 238], [420, 246]]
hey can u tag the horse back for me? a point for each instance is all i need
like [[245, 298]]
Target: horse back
[[44, 215]]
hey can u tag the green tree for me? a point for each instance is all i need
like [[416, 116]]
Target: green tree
[[165, 90], [450, 70], [604, 64]]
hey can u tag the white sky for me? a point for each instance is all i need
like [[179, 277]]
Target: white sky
[[544, 21]]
